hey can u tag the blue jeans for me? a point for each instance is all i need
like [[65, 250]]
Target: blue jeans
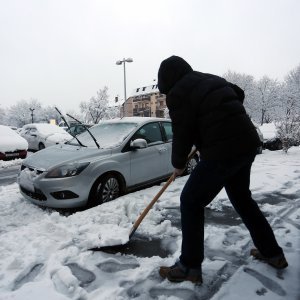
[[203, 185]]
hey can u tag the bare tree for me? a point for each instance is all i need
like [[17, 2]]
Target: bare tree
[[20, 114], [248, 85], [112, 112], [96, 108], [288, 123], [267, 98], [3, 118], [49, 113]]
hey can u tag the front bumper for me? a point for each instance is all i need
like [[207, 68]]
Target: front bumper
[[68, 192]]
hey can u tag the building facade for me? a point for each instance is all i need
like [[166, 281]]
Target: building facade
[[145, 101]]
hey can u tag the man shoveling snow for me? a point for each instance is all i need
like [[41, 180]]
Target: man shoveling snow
[[208, 112]]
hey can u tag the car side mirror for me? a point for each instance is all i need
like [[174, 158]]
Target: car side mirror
[[138, 144]]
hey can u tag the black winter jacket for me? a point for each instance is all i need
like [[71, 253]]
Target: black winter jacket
[[206, 111]]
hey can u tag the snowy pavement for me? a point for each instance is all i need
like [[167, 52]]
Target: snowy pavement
[[44, 254]]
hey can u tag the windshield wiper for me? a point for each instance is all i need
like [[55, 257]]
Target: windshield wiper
[[87, 129], [73, 135]]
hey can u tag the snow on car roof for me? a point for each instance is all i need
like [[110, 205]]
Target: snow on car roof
[[268, 130], [10, 140], [46, 128], [137, 120]]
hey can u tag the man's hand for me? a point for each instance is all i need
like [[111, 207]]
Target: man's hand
[[177, 172]]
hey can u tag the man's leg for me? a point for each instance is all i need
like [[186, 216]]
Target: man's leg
[[237, 188], [203, 185]]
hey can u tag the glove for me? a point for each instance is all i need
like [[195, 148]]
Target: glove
[[177, 172]]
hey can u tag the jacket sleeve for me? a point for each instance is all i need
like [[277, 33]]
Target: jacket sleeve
[[183, 134]]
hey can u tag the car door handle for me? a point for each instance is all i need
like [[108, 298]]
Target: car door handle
[[162, 149]]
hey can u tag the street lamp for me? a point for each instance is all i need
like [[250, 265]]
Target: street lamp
[[31, 109], [120, 62]]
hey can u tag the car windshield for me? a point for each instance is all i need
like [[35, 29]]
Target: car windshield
[[108, 135]]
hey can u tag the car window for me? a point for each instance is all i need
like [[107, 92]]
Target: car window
[[150, 132], [80, 129], [167, 126], [71, 130], [29, 130]]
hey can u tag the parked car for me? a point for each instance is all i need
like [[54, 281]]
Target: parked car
[[271, 140], [133, 152], [42, 135], [12, 145]]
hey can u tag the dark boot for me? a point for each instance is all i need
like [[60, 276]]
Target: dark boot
[[179, 273], [278, 261]]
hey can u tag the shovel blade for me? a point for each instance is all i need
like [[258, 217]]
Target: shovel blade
[[112, 249]]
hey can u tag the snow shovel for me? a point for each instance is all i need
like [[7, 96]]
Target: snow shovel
[[115, 248]]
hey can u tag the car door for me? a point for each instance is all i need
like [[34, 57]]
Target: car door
[[148, 163], [168, 134], [27, 135]]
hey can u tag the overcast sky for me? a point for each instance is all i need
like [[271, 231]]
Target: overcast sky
[[61, 52]]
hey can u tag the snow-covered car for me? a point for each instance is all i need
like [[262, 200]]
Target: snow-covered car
[[271, 140], [120, 156], [12, 145], [42, 135]]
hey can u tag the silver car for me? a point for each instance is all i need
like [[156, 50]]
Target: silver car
[[117, 157]]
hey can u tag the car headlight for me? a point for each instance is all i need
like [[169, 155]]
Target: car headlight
[[67, 170]]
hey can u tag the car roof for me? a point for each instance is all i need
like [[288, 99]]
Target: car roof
[[138, 120]]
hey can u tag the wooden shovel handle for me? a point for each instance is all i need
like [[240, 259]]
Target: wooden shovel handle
[[149, 206]]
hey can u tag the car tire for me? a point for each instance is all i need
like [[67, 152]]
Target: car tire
[[41, 146], [106, 188], [192, 163]]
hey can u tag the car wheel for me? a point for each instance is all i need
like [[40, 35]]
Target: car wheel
[[106, 189], [191, 165], [41, 146]]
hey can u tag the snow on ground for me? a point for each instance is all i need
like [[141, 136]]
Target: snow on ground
[[10, 163], [44, 254]]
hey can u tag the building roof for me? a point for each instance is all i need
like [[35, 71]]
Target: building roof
[[144, 90]]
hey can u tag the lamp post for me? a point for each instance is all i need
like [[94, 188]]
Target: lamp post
[[31, 109], [120, 62]]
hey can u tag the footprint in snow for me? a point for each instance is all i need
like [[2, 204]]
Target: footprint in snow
[[27, 276], [85, 277], [266, 282], [113, 266]]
